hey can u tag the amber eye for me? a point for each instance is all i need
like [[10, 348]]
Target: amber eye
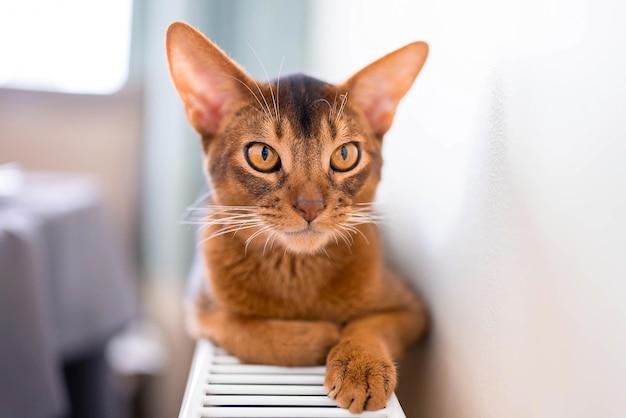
[[346, 157], [262, 157]]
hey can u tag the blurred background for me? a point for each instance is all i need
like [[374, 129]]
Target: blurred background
[[504, 180]]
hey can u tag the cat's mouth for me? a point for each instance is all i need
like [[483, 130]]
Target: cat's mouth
[[308, 230], [306, 240]]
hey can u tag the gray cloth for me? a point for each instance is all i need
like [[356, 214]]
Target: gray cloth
[[63, 289]]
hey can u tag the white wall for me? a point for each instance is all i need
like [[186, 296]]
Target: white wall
[[505, 183]]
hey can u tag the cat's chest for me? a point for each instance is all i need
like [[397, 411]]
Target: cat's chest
[[286, 286]]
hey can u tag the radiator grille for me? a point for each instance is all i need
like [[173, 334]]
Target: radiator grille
[[220, 386]]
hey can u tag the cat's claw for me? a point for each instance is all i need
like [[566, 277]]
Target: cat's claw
[[359, 378]]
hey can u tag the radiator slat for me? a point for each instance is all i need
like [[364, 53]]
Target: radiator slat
[[289, 390], [264, 400], [259, 369], [284, 412], [266, 379]]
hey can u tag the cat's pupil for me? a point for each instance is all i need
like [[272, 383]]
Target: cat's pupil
[[265, 153], [344, 152]]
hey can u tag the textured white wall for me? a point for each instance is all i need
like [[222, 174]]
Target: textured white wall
[[505, 184]]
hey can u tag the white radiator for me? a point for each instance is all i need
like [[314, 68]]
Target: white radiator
[[220, 386]]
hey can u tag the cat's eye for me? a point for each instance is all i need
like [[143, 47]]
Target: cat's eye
[[345, 157], [262, 157]]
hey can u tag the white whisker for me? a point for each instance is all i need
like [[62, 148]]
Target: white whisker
[[232, 230], [333, 109], [269, 237], [268, 82], [344, 100], [354, 230], [280, 69], [345, 237], [195, 205], [273, 240], [334, 235], [265, 108], [256, 234], [330, 108]]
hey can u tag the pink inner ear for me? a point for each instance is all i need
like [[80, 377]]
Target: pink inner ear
[[380, 113], [205, 111], [378, 96]]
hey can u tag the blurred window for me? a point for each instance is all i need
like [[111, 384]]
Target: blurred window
[[73, 46]]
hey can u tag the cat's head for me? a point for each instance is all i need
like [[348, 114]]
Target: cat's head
[[296, 160]]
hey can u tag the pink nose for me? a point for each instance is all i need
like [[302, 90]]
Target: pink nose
[[309, 209]]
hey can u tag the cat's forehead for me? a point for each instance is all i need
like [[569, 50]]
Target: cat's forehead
[[304, 102]]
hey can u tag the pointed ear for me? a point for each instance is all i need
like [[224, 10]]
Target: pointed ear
[[207, 80], [378, 88]]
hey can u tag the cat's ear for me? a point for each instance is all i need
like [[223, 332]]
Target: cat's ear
[[378, 88], [207, 80]]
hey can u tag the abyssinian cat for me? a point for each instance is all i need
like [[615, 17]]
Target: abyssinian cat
[[291, 247]]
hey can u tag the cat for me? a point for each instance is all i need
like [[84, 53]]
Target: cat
[[291, 247]]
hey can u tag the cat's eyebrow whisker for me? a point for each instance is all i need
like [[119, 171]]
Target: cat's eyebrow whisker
[[280, 69], [330, 108], [344, 100], [268, 82], [333, 109], [264, 108], [267, 105]]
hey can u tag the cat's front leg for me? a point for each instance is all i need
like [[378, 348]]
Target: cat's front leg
[[268, 341]]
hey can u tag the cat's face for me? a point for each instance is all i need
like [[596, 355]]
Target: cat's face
[[307, 161], [295, 161]]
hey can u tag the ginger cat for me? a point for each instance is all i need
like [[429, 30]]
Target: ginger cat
[[291, 248]]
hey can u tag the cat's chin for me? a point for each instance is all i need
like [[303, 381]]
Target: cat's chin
[[305, 242]]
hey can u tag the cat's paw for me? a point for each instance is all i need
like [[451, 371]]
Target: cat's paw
[[360, 376]]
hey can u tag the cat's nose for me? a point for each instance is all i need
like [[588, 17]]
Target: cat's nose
[[309, 209]]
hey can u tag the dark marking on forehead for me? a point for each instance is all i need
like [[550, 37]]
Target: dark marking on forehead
[[300, 99]]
